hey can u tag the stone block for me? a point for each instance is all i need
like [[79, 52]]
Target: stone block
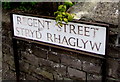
[[60, 51], [54, 57], [40, 73], [44, 62], [71, 61], [91, 67], [68, 79], [40, 53], [49, 69], [57, 76], [22, 76], [91, 64], [6, 26], [7, 49], [24, 66], [109, 79], [47, 65], [22, 45], [30, 77], [114, 52], [40, 46], [9, 75], [40, 77], [73, 73], [37, 70], [52, 67], [46, 75], [118, 70], [9, 60], [113, 68], [93, 77], [30, 58], [61, 70], [7, 41], [5, 68]]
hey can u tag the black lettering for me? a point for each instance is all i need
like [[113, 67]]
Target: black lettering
[[94, 31], [35, 22], [65, 25], [18, 20], [55, 38], [38, 35], [86, 31], [78, 43], [84, 43], [40, 23], [29, 21], [18, 32], [48, 24], [59, 28], [32, 32], [72, 29], [95, 45], [80, 30], [24, 20], [22, 31], [26, 32], [49, 37], [69, 40], [64, 40]]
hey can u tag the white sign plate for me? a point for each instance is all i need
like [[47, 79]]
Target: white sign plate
[[83, 37]]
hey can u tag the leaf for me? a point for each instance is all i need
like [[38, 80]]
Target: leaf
[[63, 13], [68, 3], [65, 20], [55, 13], [62, 8], [59, 24], [59, 16], [70, 17]]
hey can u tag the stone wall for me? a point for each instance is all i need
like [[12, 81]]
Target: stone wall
[[39, 62], [55, 64]]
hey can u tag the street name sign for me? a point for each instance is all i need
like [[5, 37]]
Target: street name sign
[[75, 35]]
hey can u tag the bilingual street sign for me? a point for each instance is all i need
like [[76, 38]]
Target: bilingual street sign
[[79, 36]]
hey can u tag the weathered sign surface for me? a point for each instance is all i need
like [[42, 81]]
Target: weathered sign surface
[[74, 35]]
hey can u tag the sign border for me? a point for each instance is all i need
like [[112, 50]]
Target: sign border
[[63, 47]]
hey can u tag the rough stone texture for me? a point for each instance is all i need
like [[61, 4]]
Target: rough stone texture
[[76, 74], [8, 65], [61, 70], [30, 77], [39, 62], [114, 52], [91, 64], [24, 66], [46, 74], [39, 52], [91, 67], [106, 12], [31, 59], [113, 68], [92, 77], [112, 80], [54, 57], [71, 61], [98, 11]]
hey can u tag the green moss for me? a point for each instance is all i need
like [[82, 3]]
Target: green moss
[[18, 5], [47, 75]]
